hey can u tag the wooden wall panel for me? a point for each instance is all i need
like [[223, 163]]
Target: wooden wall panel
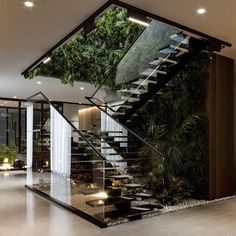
[[221, 127], [90, 119]]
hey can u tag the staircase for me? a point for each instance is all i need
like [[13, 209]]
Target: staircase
[[173, 57]]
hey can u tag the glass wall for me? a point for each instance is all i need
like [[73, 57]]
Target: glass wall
[[13, 124], [12, 134]]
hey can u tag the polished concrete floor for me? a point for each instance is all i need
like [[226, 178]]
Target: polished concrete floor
[[23, 213]]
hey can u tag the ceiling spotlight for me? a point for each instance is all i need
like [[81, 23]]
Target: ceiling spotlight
[[29, 4], [47, 60], [14, 96], [201, 11], [81, 88], [39, 82]]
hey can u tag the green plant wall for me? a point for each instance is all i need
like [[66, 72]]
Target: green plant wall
[[176, 124], [91, 58]]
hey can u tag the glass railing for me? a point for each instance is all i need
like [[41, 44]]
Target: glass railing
[[86, 160], [144, 64]]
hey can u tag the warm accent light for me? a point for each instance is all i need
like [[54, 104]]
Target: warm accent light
[[29, 4], [6, 165], [201, 11], [87, 109], [138, 21], [102, 195], [47, 60]]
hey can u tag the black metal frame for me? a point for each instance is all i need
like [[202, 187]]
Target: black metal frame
[[78, 212], [87, 22]]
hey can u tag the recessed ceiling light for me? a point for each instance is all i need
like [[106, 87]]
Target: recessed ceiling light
[[47, 60], [39, 82], [29, 4], [14, 96], [81, 88], [201, 11]]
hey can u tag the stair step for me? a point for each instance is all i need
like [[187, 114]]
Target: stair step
[[108, 131], [132, 91], [82, 154], [123, 106], [126, 106], [181, 53], [168, 60], [89, 148], [179, 48], [115, 136], [152, 72], [137, 91], [99, 142], [144, 82], [133, 99], [119, 114], [167, 50], [156, 62], [180, 38], [122, 153]]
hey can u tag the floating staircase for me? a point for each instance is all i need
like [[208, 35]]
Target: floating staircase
[[172, 58]]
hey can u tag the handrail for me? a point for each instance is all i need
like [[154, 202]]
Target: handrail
[[77, 130], [134, 134]]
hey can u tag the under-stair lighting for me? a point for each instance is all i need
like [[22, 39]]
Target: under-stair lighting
[[47, 60], [29, 4], [81, 88], [138, 21], [138, 18], [39, 82], [201, 11], [102, 195]]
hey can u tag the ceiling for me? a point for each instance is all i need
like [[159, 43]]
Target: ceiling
[[26, 34]]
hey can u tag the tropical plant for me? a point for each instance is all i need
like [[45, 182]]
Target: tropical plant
[[8, 152], [91, 58], [177, 126]]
